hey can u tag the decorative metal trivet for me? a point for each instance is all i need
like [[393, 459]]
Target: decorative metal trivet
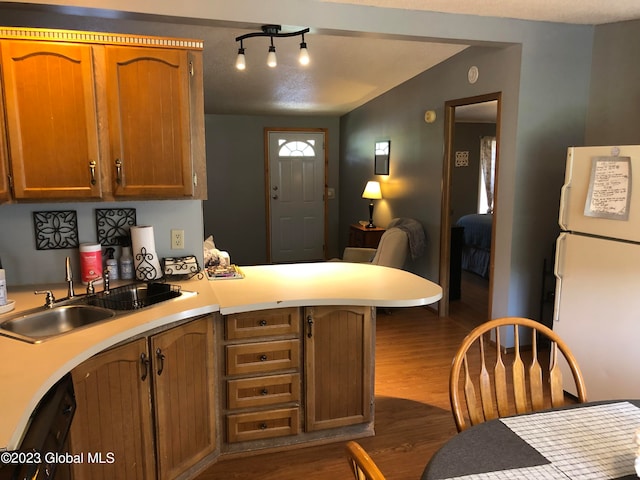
[[112, 223], [56, 230]]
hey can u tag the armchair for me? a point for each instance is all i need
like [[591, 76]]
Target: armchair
[[392, 250]]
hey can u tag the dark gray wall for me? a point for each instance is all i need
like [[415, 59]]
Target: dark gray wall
[[413, 187], [614, 113], [536, 128], [234, 212]]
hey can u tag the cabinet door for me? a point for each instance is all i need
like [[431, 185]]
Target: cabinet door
[[184, 398], [149, 121], [51, 120], [5, 193], [338, 366], [114, 414]]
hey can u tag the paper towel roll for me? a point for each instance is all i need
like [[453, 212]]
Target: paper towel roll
[[145, 258]]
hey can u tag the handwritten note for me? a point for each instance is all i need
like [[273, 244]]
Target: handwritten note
[[609, 188]]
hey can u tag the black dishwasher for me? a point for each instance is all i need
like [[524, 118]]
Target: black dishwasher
[[46, 438]]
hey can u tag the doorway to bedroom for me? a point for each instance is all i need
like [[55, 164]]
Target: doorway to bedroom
[[472, 127]]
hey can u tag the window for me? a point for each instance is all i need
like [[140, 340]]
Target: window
[[296, 148], [487, 174]]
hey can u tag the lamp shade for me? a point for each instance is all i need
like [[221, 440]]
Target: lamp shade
[[372, 191]]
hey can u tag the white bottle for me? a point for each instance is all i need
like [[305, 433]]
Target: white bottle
[[112, 265], [126, 264], [3, 288]]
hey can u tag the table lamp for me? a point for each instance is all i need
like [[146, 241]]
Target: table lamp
[[372, 192]]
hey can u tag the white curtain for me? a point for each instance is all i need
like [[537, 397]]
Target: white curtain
[[487, 168]]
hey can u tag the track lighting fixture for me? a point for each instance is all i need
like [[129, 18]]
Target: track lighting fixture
[[272, 31]]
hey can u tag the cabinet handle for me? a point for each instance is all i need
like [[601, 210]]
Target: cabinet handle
[[263, 426], [92, 171], [262, 323], [145, 365], [263, 358], [310, 324], [264, 391], [160, 357], [118, 171]]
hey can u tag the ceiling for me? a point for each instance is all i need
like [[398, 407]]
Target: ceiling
[[344, 73], [589, 12], [346, 70]]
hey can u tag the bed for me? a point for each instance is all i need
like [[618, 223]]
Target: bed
[[476, 248]]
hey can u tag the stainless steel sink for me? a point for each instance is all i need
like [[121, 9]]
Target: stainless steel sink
[[135, 296], [40, 324], [37, 326]]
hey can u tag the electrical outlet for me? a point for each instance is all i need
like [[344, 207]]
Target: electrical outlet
[[177, 239]]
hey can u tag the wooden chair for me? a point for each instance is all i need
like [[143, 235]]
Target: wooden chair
[[512, 387], [362, 466]]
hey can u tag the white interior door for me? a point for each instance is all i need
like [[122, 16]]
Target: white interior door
[[296, 196]]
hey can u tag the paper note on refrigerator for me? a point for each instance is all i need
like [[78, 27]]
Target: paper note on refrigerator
[[609, 188]]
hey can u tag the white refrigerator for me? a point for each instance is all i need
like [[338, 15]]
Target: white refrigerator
[[597, 269]]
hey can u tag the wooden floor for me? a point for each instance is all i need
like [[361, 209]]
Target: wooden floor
[[414, 348]]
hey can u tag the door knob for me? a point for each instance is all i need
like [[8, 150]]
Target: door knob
[[275, 197]]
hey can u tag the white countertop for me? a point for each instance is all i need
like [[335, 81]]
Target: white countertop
[[324, 283], [30, 370]]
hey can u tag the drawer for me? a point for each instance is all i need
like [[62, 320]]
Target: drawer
[[282, 321], [263, 357], [261, 391], [259, 425]]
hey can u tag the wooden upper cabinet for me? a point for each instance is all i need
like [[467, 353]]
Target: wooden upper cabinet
[[148, 96], [5, 193], [52, 124]]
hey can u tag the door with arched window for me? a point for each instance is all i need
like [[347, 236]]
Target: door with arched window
[[296, 196]]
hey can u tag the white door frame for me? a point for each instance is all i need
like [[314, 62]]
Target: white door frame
[[267, 181]]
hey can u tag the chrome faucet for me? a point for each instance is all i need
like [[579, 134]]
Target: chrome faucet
[[69, 278], [50, 299]]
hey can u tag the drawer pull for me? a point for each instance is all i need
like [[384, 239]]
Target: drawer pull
[[118, 171], [310, 324], [92, 171], [264, 391], [160, 356], [263, 426], [262, 323], [263, 358], [145, 365]]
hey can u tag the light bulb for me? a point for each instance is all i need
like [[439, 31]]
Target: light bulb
[[303, 58], [272, 61], [240, 60]]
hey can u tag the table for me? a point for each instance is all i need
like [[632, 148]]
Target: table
[[587, 441], [361, 236]]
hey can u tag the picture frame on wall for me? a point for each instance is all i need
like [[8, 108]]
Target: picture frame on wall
[[381, 158]]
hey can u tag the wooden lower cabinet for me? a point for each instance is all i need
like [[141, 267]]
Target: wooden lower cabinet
[[272, 356], [285, 376], [339, 366], [262, 365], [150, 403]]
